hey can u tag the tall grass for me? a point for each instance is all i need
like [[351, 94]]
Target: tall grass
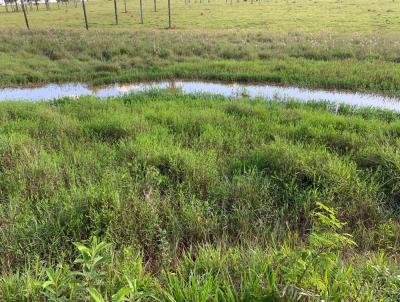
[[305, 273], [347, 61], [205, 192]]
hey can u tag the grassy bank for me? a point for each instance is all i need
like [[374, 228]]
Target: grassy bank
[[348, 61], [198, 194], [320, 44]]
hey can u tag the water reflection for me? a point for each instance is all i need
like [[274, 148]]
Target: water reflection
[[54, 91]]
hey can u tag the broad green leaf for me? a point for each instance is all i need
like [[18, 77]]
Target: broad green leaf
[[96, 295], [121, 294]]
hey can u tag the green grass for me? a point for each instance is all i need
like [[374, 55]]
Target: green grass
[[326, 44], [170, 197], [357, 62], [361, 16], [217, 197]]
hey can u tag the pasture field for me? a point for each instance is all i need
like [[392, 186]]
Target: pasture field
[[330, 44], [354, 62], [200, 198], [355, 16]]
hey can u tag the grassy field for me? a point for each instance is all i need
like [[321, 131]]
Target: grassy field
[[328, 44], [160, 196], [200, 198], [380, 16], [357, 62]]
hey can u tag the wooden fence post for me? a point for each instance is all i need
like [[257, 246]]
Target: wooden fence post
[[141, 11], [116, 12], [25, 16], [84, 14], [169, 15]]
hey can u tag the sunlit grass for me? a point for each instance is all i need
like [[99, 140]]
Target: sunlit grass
[[330, 44], [349, 61], [272, 16]]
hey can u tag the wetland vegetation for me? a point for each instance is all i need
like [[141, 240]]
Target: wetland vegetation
[[164, 196], [200, 197], [324, 44], [361, 62]]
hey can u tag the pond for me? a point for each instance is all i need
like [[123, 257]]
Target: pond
[[54, 91]]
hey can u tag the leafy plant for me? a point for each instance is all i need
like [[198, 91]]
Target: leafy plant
[[316, 271], [60, 285], [92, 259]]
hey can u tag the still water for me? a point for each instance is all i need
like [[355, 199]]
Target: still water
[[55, 91]]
